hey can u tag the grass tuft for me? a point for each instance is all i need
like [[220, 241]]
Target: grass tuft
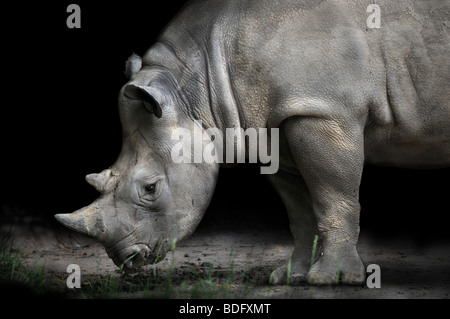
[[14, 269]]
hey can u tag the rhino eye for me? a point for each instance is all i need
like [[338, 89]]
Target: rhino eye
[[150, 189]]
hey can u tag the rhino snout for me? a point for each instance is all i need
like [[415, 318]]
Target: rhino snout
[[131, 259]]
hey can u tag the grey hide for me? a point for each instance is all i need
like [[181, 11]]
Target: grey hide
[[342, 94]]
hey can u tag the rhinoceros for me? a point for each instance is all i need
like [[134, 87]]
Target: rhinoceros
[[342, 90]]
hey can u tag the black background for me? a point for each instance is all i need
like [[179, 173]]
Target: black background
[[60, 122]]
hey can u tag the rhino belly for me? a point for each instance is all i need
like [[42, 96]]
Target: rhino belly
[[394, 147]]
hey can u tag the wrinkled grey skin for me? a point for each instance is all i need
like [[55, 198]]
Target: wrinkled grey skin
[[341, 94]]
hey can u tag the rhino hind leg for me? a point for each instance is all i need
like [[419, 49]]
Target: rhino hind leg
[[294, 194], [330, 156]]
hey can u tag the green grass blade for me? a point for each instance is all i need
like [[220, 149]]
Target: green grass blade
[[313, 256]]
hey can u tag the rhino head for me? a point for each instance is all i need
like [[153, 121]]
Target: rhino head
[[146, 200]]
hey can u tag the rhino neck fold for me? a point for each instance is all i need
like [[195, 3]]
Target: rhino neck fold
[[198, 60], [224, 107]]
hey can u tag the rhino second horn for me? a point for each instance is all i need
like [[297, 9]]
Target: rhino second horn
[[99, 181], [96, 181], [87, 220]]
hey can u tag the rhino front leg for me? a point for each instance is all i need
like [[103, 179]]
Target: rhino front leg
[[295, 196], [330, 156]]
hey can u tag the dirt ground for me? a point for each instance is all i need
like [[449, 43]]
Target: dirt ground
[[223, 260]]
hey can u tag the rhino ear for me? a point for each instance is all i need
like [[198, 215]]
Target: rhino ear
[[148, 95]]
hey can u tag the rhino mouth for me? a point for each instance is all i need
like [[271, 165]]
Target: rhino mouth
[[133, 262], [131, 259]]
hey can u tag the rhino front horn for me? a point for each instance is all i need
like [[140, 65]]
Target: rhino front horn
[[87, 220]]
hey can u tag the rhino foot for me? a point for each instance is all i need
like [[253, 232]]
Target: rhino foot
[[280, 276], [326, 272]]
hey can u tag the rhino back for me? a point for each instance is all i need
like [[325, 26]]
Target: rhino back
[[254, 63], [293, 57], [319, 58]]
